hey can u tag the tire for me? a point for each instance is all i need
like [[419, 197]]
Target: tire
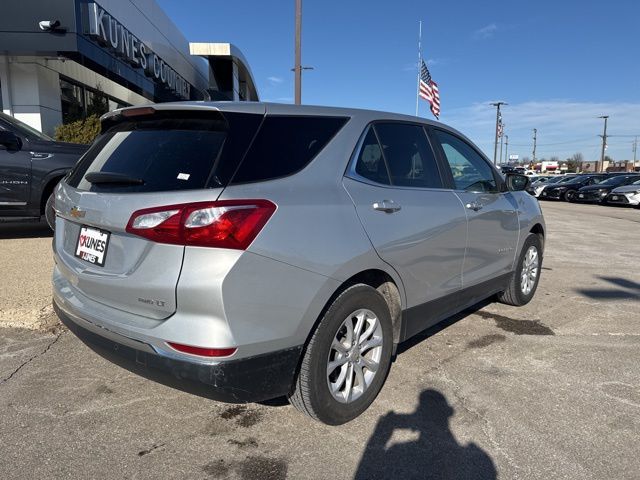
[[516, 294], [570, 196], [49, 212], [312, 393]]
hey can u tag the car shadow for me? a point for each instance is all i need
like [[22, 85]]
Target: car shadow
[[429, 332], [434, 454], [627, 290], [25, 230]]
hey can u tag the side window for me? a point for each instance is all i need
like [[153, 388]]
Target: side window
[[285, 145], [470, 171], [408, 155], [370, 163]]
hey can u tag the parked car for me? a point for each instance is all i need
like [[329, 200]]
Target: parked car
[[262, 250], [626, 195], [536, 187], [31, 165], [569, 189], [504, 169], [598, 193]]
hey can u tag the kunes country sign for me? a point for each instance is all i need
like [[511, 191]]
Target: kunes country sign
[[114, 36]]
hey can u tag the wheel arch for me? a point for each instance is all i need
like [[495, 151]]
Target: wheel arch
[[385, 284], [538, 229], [49, 184]]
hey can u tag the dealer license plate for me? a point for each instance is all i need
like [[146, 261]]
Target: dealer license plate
[[581, 195], [92, 245], [615, 197]]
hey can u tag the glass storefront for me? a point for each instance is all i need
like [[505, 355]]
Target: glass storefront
[[79, 102]]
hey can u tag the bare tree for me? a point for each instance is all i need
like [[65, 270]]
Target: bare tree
[[573, 162]]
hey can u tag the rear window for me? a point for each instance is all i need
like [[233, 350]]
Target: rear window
[[285, 145], [184, 151], [168, 153]]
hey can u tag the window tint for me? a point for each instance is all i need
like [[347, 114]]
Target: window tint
[[370, 163], [169, 151], [285, 145], [470, 171], [408, 155]]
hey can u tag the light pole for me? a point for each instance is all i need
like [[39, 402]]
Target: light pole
[[495, 144], [604, 142], [298, 54], [298, 68]]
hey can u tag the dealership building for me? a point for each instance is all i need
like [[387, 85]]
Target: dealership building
[[63, 60]]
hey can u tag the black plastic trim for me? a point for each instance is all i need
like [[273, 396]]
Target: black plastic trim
[[419, 318], [254, 379]]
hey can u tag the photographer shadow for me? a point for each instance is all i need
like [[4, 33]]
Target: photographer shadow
[[435, 454]]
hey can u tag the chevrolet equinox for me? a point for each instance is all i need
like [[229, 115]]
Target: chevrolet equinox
[[254, 251]]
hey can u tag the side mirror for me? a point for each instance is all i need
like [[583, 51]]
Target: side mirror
[[516, 182], [10, 141]]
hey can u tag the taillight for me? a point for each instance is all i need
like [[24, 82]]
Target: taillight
[[202, 351], [223, 224]]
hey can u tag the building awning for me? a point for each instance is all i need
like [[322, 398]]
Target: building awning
[[223, 58]]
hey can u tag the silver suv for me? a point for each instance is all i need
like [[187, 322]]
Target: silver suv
[[252, 251]]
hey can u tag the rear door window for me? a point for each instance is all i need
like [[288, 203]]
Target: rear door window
[[409, 157], [370, 163], [285, 145]]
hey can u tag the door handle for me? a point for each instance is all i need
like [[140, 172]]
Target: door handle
[[475, 206], [386, 206], [40, 156]]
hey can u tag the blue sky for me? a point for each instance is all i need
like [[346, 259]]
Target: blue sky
[[559, 64]]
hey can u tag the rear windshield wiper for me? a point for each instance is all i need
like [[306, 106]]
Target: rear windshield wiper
[[109, 177]]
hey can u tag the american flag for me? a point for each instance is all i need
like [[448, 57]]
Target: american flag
[[429, 90]]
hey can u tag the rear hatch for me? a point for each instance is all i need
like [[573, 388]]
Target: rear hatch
[[144, 159]]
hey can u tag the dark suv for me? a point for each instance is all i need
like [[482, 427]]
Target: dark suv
[[31, 165]]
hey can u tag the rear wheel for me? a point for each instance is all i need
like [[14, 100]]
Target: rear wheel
[[524, 282], [347, 359]]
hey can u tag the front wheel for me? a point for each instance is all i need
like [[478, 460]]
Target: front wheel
[[49, 212], [347, 359], [570, 196], [524, 282]]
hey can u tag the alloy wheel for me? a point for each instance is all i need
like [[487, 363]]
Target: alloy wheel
[[354, 356], [530, 267]]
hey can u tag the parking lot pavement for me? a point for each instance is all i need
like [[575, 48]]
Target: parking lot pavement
[[550, 390]]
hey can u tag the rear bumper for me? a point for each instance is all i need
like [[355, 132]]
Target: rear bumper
[[251, 379]]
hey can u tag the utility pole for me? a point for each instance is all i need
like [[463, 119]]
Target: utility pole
[[298, 54], [535, 139], [635, 147], [495, 144], [604, 142], [506, 149], [501, 141]]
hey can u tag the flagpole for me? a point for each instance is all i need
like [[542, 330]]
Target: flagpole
[[419, 59]]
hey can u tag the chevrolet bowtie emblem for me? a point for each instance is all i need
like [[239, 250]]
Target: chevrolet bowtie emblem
[[77, 213]]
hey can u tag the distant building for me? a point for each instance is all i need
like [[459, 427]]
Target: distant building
[[547, 166], [61, 60]]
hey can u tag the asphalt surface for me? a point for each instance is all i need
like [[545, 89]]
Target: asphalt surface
[[550, 390]]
